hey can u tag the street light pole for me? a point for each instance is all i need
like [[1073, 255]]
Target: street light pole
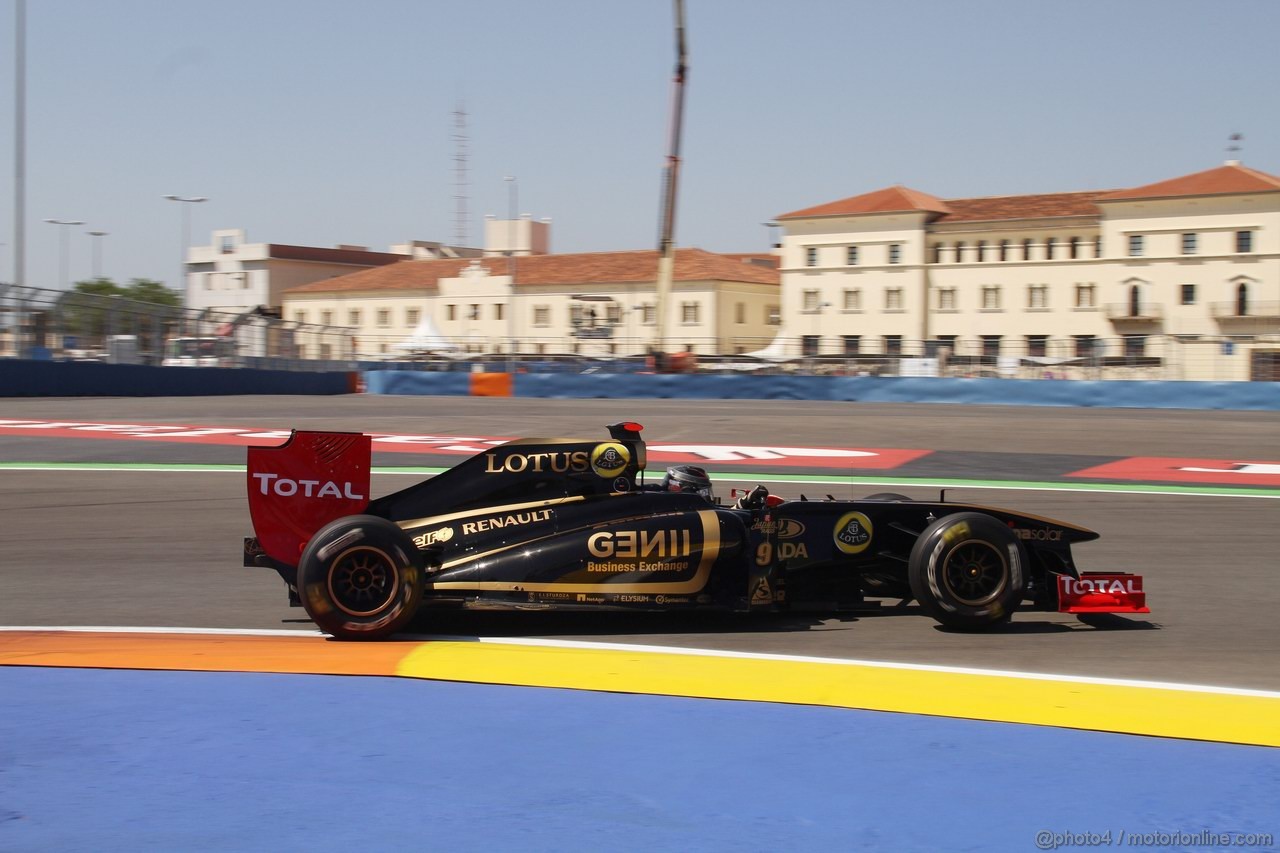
[[97, 252], [186, 237], [64, 248]]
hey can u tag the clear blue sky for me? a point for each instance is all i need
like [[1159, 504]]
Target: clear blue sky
[[325, 122]]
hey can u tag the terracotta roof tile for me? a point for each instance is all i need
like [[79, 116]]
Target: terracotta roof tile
[[1022, 206], [577, 269], [332, 256], [895, 199], [1229, 179]]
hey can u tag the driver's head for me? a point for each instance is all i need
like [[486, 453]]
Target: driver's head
[[688, 478]]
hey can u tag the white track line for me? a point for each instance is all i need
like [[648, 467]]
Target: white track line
[[680, 650]]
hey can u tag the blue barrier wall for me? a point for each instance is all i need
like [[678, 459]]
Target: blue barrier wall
[[1257, 396], [93, 379]]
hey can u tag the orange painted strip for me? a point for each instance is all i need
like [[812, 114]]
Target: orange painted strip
[[206, 652], [491, 385]]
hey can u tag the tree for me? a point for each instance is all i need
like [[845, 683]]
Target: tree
[[146, 290], [99, 306]]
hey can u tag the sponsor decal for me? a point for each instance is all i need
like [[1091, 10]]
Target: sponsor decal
[[853, 533], [552, 596], [765, 526], [792, 550], [515, 519], [641, 543], [590, 599], [269, 484], [671, 599], [433, 537], [789, 528], [632, 599], [1037, 534], [763, 594], [1073, 586], [610, 459], [558, 461], [703, 599], [622, 484]]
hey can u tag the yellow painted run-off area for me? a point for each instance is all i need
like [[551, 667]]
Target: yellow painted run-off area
[[1247, 717]]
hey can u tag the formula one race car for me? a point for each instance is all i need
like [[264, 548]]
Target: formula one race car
[[567, 523]]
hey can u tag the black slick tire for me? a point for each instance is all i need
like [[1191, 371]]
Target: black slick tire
[[968, 571], [360, 578]]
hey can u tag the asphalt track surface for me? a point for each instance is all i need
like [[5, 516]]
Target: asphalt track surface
[[162, 548]]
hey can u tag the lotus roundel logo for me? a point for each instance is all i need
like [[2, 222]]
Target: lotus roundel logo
[[609, 459], [853, 533]]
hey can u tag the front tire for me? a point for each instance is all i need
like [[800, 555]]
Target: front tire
[[360, 578], [968, 571]]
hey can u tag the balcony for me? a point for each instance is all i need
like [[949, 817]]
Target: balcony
[[1228, 312], [1123, 313]]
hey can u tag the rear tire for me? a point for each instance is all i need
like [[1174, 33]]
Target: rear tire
[[360, 578], [968, 571]]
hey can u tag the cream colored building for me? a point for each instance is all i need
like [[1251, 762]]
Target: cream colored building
[[1183, 275], [601, 303]]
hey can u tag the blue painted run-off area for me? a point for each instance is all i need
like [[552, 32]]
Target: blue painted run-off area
[[870, 389], [123, 760]]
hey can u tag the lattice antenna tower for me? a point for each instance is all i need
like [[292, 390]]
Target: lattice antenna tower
[[460, 181]]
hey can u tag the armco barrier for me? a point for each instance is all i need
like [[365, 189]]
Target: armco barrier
[[1257, 396], [94, 379]]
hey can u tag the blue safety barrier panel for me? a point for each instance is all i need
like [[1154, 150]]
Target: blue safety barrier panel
[[22, 378], [431, 384]]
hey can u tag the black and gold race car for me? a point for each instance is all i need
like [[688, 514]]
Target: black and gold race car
[[571, 523]]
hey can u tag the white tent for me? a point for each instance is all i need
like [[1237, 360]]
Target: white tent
[[775, 351], [426, 338]]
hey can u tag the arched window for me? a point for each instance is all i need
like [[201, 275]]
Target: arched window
[[982, 250], [1050, 243], [1073, 248], [960, 252], [1004, 250], [937, 253], [1026, 250], [1135, 301], [1242, 300]]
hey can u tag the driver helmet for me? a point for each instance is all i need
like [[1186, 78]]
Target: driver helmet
[[690, 479]]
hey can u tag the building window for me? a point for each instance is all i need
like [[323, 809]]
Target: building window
[[944, 342], [982, 250], [226, 245], [893, 344], [809, 344], [1135, 346], [1086, 346], [1037, 346], [353, 317], [811, 257], [773, 315], [740, 313], [542, 315], [947, 299], [648, 314], [326, 317], [1188, 294], [411, 316], [451, 312], [853, 300], [991, 345], [1026, 250], [689, 313], [1189, 244], [1086, 296], [893, 299], [613, 313], [1244, 241], [1135, 245], [852, 344], [991, 297], [851, 256], [810, 302], [1050, 245], [473, 312], [959, 251], [895, 253], [1073, 248], [937, 253], [499, 310], [384, 317], [1097, 247], [1004, 250], [1038, 296], [1242, 300], [299, 316]]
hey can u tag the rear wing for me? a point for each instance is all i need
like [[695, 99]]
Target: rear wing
[[302, 485]]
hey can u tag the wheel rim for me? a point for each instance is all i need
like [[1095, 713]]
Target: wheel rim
[[975, 572], [363, 581]]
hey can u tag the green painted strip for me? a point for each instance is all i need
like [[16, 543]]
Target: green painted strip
[[733, 476]]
